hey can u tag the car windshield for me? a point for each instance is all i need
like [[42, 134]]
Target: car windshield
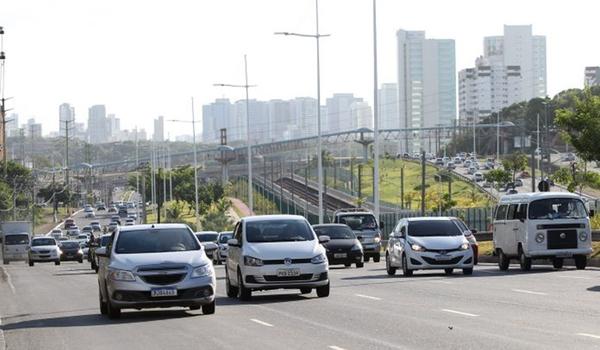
[[557, 208], [225, 237], [335, 232], [207, 237], [70, 245], [104, 241], [359, 221], [82, 237], [43, 241], [156, 241], [17, 239], [278, 231], [433, 228]]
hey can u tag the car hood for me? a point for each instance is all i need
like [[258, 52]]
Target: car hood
[[132, 261], [341, 243], [209, 245], [43, 247], [439, 242], [282, 250]]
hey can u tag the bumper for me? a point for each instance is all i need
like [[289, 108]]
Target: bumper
[[43, 257], [351, 257], [559, 253], [433, 261], [71, 257], [371, 248], [265, 277], [15, 256]]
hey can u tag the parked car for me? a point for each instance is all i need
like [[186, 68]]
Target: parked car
[[44, 249], [71, 251], [426, 243], [208, 239], [160, 265], [112, 227], [569, 157], [275, 252], [344, 248], [221, 253]]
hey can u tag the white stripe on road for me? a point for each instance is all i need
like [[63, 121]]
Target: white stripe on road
[[460, 313], [261, 322], [442, 282], [576, 277], [589, 335], [528, 292], [333, 347], [367, 297]]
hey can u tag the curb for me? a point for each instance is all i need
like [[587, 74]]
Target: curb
[[568, 262]]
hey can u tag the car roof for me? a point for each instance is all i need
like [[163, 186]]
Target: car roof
[[16, 233], [41, 237], [273, 217], [430, 218], [329, 225], [151, 226], [207, 233], [532, 196]]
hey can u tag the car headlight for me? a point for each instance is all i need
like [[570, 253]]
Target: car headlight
[[377, 239], [201, 271], [251, 261], [417, 248], [80, 251], [539, 237], [356, 247], [121, 275], [319, 259], [583, 236], [465, 246], [59, 252]]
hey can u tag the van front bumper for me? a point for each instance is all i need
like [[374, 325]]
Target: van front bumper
[[557, 253]]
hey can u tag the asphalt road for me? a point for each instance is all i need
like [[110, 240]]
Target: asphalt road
[[56, 307]]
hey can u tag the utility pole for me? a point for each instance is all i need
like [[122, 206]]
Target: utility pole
[[423, 183], [3, 148], [375, 118], [137, 162], [67, 181], [402, 187]]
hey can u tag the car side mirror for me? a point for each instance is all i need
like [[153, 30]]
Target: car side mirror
[[360, 238], [473, 231], [102, 252], [233, 243], [324, 239], [592, 212], [381, 225]]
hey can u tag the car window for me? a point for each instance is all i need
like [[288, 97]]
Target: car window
[[359, 221], [512, 211], [70, 245], [155, 241], [278, 231], [522, 211], [225, 237], [16, 239], [432, 228], [238, 232], [104, 240], [43, 241], [335, 232], [461, 225], [501, 212], [557, 208], [207, 237]]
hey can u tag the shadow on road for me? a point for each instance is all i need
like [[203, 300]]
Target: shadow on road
[[594, 289], [87, 272], [258, 299]]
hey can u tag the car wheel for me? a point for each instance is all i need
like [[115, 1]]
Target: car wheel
[[558, 263], [524, 261], [347, 265], [468, 271], [57, 262], [111, 311], [243, 293], [81, 261], [229, 289], [388, 266], [323, 292], [208, 309], [360, 264], [5, 262], [405, 270], [503, 260], [448, 271], [367, 258], [195, 307], [103, 306], [305, 290], [580, 262], [376, 258]]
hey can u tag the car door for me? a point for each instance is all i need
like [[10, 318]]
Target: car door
[[499, 227], [521, 224], [511, 229], [399, 243], [235, 252], [393, 241]]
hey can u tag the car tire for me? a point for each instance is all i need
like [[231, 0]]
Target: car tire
[[347, 265], [448, 271], [305, 290], [524, 261], [360, 265], [503, 261], [81, 261], [103, 306], [57, 262], [580, 262], [406, 272], [209, 309], [31, 263], [468, 271], [5, 262], [195, 307], [388, 266], [367, 258], [376, 258], [229, 289], [112, 312], [558, 263], [243, 293], [323, 292]]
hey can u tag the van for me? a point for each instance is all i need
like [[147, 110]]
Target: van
[[543, 225], [15, 247]]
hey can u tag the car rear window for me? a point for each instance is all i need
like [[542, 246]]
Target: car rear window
[[225, 237], [278, 231], [16, 239], [43, 241], [70, 245], [431, 228], [335, 232], [207, 237], [156, 241]]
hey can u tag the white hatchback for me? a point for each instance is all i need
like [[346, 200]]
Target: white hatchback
[[276, 252]]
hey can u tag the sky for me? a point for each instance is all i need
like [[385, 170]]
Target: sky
[[148, 58]]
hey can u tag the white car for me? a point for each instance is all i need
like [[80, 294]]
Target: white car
[[275, 252], [129, 222], [428, 243], [44, 249], [478, 177]]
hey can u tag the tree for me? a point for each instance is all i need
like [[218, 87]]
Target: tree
[[515, 162], [582, 125], [498, 176]]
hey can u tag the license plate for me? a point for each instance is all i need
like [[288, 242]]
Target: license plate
[[288, 272], [564, 255], [443, 257], [163, 292], [340, 255]]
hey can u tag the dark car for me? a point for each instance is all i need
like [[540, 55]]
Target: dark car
[[69, 223], [116, 218], [71, 250], [123, 212], [208, 240], [100, 207], [344, 248]]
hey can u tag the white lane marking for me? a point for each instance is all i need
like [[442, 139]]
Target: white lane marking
[[589, 335], [528, 292], [576, 277], [460, 313], [261, 322], [333, 347], [443, 282], [8, 280], [367, 297]]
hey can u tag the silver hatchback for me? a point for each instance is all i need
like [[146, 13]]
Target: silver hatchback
[[148, 266]]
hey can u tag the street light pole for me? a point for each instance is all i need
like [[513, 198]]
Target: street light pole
[[375, 117], [316, 36], [195, 166], [498, 136]]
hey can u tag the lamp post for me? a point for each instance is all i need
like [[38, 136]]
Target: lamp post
[[248, 143], [316, 36], [375, 117]]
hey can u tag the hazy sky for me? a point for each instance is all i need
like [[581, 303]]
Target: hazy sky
[[147, 58]]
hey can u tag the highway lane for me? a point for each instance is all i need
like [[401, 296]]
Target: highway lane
[[56, 307]]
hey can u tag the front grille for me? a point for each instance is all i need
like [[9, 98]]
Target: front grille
[[182, 294], [281, 262], [161, 268], [43, 251], [163, 280], [432, 261], [558, 226], [567, 241], [303, 277], [442, 251]]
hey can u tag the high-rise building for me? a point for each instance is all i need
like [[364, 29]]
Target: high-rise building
[[12, 125], [339, 114], [388, 106], [361, 115], [279, 120], [113, 127], [591, 76], [97, 132], [303, 112], [215, 116], [33, 129], [66, 118], [159, 129], [426, 84]]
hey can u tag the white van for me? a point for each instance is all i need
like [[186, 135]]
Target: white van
[[15, 247], [543, 225]]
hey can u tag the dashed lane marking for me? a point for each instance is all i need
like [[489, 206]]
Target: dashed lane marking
[[528, 292], [367, 297], [589, 335], [262, 323], [460, 313], [333, 347]]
